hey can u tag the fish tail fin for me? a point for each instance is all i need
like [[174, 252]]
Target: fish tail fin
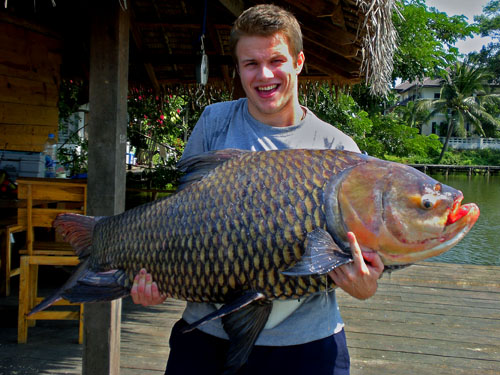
[[85, 285], [77, 230], [58, 294]]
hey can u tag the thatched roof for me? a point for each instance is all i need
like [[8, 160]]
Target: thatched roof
[[345, 41]]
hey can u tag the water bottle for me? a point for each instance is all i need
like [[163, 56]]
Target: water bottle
[[50, 156]]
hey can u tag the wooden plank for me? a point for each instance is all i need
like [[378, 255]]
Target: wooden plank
[[25, 137], [53, 191], [386, 362], [13, 64], [55, 315], [418, 322], [25, 114], [43, 217], [21, 40], [49, 260], [24, 91]]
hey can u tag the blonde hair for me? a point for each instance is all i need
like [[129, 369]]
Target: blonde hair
[[266, 20]]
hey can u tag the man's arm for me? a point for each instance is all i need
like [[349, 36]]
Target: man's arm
[[359, 279]]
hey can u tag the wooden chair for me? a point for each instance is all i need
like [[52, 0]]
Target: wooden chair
[[62, 196], [6, 270]]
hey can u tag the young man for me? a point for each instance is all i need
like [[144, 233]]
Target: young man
[[267, 47]]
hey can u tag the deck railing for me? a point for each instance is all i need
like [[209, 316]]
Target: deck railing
[[473, 143]]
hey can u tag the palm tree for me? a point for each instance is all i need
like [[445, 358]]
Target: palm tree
[[464, 92], [413, 114]]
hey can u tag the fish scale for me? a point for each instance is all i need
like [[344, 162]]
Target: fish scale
[[266, 228]]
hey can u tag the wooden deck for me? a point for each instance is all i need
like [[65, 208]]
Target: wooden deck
[[431, 318]]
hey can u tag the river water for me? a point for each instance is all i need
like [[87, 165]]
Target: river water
[[482, 244]]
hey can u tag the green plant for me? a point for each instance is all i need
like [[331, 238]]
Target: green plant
[[73, 154]]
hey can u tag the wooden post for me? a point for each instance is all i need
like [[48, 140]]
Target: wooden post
[[109, 49]]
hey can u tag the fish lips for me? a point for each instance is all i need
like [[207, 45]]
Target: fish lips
[[458, 212], [460, 221]]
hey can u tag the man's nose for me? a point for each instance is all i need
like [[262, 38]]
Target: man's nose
[[266, 72]]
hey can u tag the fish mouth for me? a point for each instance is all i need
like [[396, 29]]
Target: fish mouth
[[458, 211]]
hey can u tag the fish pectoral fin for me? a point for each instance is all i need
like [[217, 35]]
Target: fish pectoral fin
[[235, 305], [243, 328], [321, 256]]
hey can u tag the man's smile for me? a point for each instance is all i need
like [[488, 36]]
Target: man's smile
[[268, 90]]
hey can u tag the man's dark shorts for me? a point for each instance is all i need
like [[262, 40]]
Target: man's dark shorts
[[196, 352]]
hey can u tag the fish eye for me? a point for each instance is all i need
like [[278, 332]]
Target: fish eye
[[427, 204]]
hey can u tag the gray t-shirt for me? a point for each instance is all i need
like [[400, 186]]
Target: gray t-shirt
[[230, 125]]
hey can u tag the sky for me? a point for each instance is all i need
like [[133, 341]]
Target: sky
[[468, 8]]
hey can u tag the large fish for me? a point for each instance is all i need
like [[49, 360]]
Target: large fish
[[247, 228]]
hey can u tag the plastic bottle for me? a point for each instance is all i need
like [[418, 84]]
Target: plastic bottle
[[50, 156]]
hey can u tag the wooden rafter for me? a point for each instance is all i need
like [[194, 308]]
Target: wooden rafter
[[137, 37]]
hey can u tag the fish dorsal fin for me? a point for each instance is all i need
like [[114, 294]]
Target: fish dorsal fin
[[321, 256], [197, 167]]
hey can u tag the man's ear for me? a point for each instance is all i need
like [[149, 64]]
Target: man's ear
[[300, 62]]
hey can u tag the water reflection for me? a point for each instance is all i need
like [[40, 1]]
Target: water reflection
[[482, 244]]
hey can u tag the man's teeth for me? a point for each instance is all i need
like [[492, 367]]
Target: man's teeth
[[267, 88]]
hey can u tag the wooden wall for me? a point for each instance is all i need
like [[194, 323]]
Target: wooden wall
[[30, 62]]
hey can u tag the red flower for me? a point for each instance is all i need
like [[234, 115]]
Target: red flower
[[178, 110], [162, 117]]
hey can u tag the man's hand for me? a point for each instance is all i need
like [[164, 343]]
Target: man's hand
[[359, 279], [144, 291]]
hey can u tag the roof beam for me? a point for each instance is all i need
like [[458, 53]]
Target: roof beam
[[136, 36], [236, 7], [219, 49], [349, 66]]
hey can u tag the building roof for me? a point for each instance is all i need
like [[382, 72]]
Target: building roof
[[426, 82], [345, 41]]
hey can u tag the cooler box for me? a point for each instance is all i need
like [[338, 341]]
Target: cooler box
[[22, 163]]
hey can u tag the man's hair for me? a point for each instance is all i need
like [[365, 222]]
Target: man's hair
[[267, 20]]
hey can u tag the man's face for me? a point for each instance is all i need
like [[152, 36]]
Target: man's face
[[269, 77]]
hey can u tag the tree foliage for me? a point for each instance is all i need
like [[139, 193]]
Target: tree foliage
[[426, 40], [464, 92], [378, 135], [489, 25]]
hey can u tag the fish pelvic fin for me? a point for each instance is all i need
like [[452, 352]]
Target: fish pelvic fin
[[321, 256], [243, 328], [77, 230], [243, 320]]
